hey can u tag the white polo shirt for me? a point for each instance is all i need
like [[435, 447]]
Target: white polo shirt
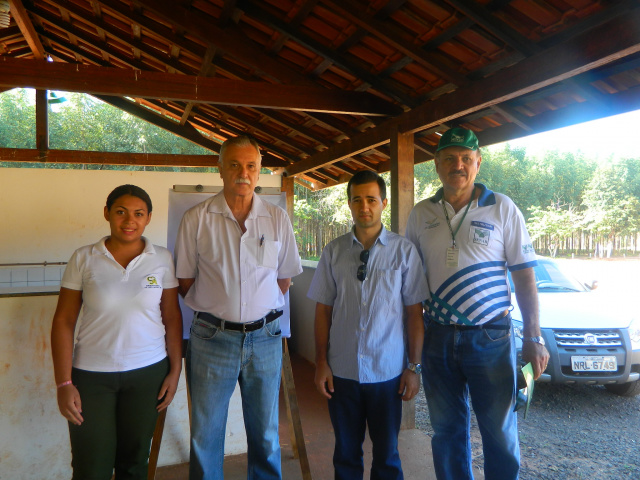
[[121, 326], [236, 274], [492, 238]]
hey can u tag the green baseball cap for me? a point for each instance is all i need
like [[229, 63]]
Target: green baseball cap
[[458, 137]]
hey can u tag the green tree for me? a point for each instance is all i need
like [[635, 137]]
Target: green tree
[[86, 123], [17, 120], [612, 199], [554, 224]]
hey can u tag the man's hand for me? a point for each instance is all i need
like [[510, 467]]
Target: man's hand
[[409, 385], [324, 379], [538, 356]]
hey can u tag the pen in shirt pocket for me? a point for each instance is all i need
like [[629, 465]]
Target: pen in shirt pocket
[[262, 240]]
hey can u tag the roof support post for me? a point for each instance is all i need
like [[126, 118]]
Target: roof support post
[[287, 189], [402, 161], [42, 121], [402, 154]]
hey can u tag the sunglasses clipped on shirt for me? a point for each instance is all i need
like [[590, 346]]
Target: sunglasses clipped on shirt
[[362, 269]]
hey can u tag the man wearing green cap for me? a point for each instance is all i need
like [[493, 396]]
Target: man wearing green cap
[[467, 237]]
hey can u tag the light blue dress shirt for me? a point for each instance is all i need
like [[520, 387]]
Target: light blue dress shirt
[[367, 336]]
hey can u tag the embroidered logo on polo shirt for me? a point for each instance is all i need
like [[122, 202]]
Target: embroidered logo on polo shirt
[[480, 232], [433, 223], [528, 248], [151, 281]]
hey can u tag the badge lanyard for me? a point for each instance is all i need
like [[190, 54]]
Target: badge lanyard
[[453, 253]]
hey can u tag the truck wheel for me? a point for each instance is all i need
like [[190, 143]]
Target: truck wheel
[[630, 389]]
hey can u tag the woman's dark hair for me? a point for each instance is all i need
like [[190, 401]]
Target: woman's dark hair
[[132, 190]]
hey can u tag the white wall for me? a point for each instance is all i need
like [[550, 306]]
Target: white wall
[[303, 312], [46, 215]]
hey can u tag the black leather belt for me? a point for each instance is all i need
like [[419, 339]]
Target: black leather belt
[[487, 325], [240, 327]]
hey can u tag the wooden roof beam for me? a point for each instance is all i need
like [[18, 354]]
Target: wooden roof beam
[[185, 131], [268, 157], [145, 84], [106, 158], [105, 47], [352, 11], [513, 116], [343, 150], [205, 71], [617, 104], [20, 15], [495, 27], [554, 65], [338, 59], [231, 40]]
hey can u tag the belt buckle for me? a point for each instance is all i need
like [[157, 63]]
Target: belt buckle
[[250, 324]]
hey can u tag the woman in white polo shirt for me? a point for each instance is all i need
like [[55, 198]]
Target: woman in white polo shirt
[[126, 361]]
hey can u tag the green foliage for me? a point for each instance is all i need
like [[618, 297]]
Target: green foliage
[[86, 123], [17, 120], [612, 200], [556, 222]]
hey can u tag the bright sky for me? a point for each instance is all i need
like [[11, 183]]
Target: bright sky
[[617, 136]]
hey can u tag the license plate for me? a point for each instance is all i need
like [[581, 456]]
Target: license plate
[[594, 364]]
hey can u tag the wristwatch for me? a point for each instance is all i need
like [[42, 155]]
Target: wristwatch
[[539, 340], [415, 368]]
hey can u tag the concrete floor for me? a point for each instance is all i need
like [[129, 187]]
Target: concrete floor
[[415, 446]]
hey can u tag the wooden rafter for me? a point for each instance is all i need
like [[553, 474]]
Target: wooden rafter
[[556, 64], [106, 158], [513, 116], [114, 81], [619, 103], [21, 17], [350, 10], [333, 56], [185, 131], [230, 40], [205, 70], [508, 35]]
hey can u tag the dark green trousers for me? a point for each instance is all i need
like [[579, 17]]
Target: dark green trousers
[[119, 411]]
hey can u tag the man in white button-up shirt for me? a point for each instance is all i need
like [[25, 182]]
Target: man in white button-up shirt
[[235, 256]]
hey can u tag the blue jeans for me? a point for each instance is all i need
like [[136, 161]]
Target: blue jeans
[[352, 407], [216, 360], [481, 363]]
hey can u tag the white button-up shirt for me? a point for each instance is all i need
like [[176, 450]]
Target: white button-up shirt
[[236, 274]]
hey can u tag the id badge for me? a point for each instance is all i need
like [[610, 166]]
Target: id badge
[[452, 257]]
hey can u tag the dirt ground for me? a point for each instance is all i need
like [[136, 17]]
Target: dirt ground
[[572, 431]]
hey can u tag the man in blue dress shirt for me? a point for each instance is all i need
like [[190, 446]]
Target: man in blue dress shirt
[[367, 352]]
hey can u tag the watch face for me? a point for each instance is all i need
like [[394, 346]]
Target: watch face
[[415, 367]]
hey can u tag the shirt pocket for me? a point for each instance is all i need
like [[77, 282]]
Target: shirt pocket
[[268, 253], [387, 291]]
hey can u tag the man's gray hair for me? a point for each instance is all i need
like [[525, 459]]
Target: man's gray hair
[[240, 141]]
